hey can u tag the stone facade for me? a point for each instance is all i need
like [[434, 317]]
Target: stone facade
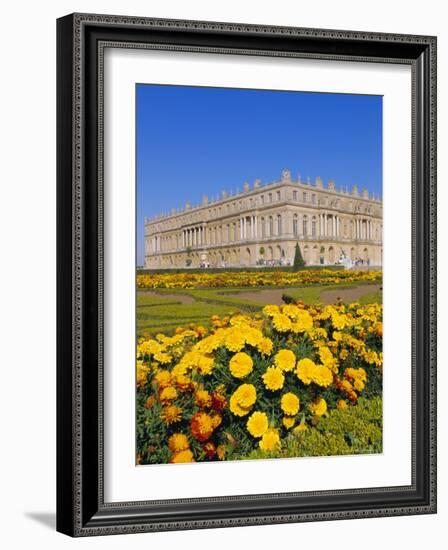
[[261, 226]]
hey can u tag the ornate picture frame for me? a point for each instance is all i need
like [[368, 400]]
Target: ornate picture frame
[[81, 507]]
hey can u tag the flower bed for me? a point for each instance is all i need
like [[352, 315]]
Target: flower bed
[[252, 383], [254, 279]]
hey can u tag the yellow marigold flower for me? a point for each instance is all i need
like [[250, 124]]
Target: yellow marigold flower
[[163, 378], [171, 414], [288, 422], [178, 442], [246, 395], [290, 404], [303, 322], [318, 407], [253, 336], [285, 360], [343, 354], [234, 340], [149, 347], [290, 310], [265, 346], [182, 456], [241, 365], [282, 323], [240, 321], [236, 408], [142, 373], [323, 376], [327, 358], [270, 440], [358, 385], [305, 370], [203, 398], [341, 404], [205, 365], [257, 424], [168, 394], [273, 378], [271, 310], [162, 357]]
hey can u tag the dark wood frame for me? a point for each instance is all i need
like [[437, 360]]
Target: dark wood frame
[[81, 510]]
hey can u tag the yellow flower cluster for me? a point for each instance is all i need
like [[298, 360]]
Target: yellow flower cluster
[[253, 379], [192, 280]]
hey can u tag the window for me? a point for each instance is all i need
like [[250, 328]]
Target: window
[[279, 224], [262, 199], [294, 195], [295, 225], [305, 226], [278, 195], [313, 227], [304, 196], [271, 225], [270, 197], [263, 228], [313, 198]]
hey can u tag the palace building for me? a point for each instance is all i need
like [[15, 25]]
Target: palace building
[[262, 224]]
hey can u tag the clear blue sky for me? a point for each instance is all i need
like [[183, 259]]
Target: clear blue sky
[[193, 141]]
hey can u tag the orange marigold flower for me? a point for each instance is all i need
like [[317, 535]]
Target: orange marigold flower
[[219, 402], [149, 402], [168, 394], [221, 451], [182, 456], [203, 398], [178, 442], [171, 414], [209, 449], [201, 426]]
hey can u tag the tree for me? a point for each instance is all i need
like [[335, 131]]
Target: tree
[[298, 259]]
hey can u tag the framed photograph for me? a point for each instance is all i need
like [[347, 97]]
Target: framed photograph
[[246, 274]]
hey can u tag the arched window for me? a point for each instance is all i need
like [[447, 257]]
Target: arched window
[[295, 225], [305, 226], [271, 226], [279, 224], [263, 228], [313, 227]]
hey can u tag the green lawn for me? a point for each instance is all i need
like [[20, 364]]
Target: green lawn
[[160, 311]]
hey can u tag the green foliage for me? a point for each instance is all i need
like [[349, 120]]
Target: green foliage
[[298, 259], [355, 430]]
